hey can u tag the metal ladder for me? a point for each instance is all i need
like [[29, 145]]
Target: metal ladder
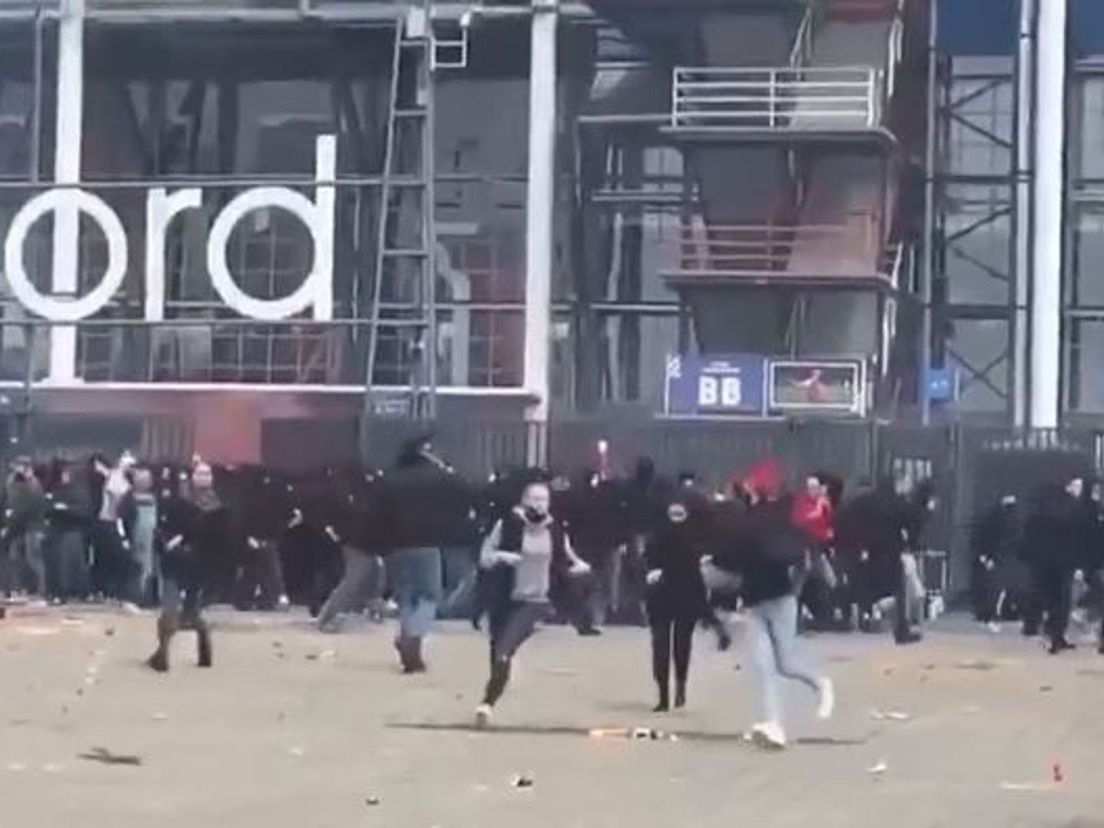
[[402, 344]]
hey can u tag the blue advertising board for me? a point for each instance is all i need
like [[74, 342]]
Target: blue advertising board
[[714, 385]]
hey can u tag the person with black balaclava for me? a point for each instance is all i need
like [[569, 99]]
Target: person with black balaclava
[[522, 556], [196, 526], [995, 544], [1051, 541], [676, 599]]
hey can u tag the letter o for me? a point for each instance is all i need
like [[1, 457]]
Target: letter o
[[63, 309], [269, 310]]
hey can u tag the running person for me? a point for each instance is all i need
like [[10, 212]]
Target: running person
[[521, 557], [676, 599]]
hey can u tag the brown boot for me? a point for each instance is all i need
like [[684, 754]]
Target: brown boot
[[166, 628]]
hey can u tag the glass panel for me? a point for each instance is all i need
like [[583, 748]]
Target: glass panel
[[978, 253], [633, 352], [978, 348], [1087, 261], [981, 123]]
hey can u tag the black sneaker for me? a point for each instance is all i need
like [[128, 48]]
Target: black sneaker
[[910, 637]]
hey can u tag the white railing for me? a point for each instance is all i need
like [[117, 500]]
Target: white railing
[[776, 98]]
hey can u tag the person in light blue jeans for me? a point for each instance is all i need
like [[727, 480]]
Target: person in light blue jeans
[[772, 646]]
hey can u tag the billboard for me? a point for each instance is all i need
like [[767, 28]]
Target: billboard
[[812, 386], [714, 385]]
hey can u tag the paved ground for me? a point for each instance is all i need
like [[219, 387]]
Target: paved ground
[[293, 728]]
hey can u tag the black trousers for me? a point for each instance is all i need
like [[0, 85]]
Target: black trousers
[[672, 639], [511, 626], [260, 581]]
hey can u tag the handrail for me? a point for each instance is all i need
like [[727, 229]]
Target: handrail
[[770, 248], [742, 98]]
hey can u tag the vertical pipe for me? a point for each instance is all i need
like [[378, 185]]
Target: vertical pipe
[[927, 275], [67, 171], [1050, 140], [540, 204], [1025, 79]]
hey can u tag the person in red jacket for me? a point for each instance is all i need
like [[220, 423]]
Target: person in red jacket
[[813, 515]]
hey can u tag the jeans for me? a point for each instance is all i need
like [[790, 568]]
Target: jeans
[[772, 644], [416, 576]]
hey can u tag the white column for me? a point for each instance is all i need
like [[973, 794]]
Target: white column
[[1025, 141], [67, 170], [1050, 141], [540, 204]]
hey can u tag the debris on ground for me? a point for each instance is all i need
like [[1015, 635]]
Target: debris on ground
[[978, 665], [889, 715], [17, 767], [109, 632], [372, 801], [296, 752], [1027, 786], [160, 717], [520, 780], [106, 757], [1046, 688], [878, 769]]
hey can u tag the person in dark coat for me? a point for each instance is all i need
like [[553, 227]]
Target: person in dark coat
[[424, 505], [995, 542], [676, 599], [522, 556], [197, 529], [1051, 544], [68, 521]]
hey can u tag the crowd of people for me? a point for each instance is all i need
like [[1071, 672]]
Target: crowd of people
[[1041, 563], [530, 546]]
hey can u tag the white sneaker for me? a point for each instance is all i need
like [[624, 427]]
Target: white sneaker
[[483, 715], [769, 735], [827, 704], [282, 603], [993, 627]]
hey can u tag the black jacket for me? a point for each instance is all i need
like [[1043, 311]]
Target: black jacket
[[424, 505], [762, 546], [676, 550]]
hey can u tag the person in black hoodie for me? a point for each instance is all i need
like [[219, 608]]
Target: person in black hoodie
[[995, 543], [197, 528], [763, 549], [676, 599], [1051, 541], [424, 505]]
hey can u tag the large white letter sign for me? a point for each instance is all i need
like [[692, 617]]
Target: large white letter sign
[[160, 210], [59, 308], [317, 289]]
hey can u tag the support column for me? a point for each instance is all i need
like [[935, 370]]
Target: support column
[[1050, 142], [927, 272], [1024, 173], [67, 171], [540, 204]]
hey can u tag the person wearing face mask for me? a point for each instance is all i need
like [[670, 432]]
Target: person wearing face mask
[[522, 557], [676, 599]]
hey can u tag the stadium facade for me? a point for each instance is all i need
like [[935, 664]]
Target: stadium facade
[[244, 227]]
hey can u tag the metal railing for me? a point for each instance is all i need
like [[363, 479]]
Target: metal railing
[[776, 98], [770, 249]]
